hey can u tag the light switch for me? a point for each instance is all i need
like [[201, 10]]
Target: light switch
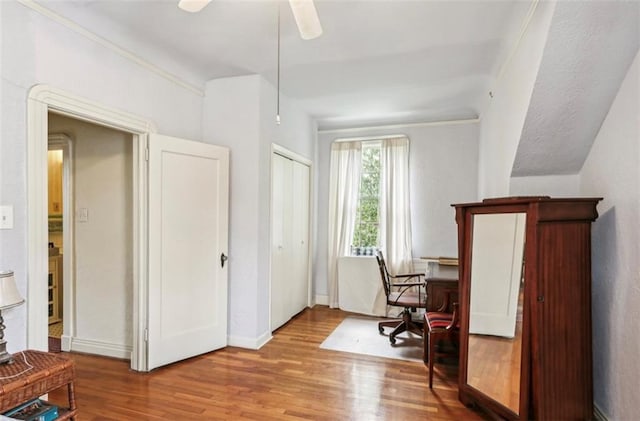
[[83, 215], [6, 217]]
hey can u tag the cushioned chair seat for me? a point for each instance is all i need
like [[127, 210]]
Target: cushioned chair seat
[[438, 315], [438, 326]]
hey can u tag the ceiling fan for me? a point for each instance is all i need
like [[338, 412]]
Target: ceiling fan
[[304, 12]]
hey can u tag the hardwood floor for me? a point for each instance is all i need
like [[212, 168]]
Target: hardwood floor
[[290, 378]]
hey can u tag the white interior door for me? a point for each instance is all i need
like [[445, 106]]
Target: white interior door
[[188, 233], [496, 272]]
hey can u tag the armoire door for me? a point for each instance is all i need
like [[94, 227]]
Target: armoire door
[[289, 239]]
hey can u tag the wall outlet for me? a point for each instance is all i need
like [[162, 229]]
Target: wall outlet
[[6, 217]]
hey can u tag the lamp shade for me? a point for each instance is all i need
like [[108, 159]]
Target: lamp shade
[[9, 295]]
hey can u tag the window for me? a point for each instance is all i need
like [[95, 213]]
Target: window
[[365, 234]]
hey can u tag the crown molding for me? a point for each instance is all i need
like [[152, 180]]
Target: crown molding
[[69, 24], [401, 126]]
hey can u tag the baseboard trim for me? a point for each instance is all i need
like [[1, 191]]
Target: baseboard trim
[[249, 343], [322, 300], [99, 348], [598, 415]]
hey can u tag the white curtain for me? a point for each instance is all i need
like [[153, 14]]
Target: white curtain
[[344, 183], [395, 211]]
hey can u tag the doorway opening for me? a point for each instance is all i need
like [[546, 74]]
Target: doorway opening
[[43, 101], [90, 291]]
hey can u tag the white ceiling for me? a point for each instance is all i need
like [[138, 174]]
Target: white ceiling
[[378, 61]]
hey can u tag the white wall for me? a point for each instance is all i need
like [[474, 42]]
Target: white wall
[[443, 168], [550, 185], [502, 122], [37, 50], [239, 112], [231, 118], [103, 184], [612, 171]]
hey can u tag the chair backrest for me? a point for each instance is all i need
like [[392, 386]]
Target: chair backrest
[[384, 274]]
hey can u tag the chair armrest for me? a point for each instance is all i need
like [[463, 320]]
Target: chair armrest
[[407, 275], [454, 320], [408, 284]]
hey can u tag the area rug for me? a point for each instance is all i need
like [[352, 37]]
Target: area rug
[[360, 336]]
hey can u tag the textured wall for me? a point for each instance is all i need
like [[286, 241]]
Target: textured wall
[[612, 170], [502, 121]]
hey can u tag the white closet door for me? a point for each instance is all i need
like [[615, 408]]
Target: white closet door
[[300, 238], [290, 239], [280, 239]]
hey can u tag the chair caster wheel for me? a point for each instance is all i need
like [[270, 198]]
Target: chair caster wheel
[[392, 340], [380, 329]]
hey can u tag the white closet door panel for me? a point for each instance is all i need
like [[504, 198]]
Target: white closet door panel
[[290, 206], [300, 237], [281, 240]]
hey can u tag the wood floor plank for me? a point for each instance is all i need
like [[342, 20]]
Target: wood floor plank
[[290, 378]]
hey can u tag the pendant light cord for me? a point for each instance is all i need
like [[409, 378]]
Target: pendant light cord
[[278, 76]]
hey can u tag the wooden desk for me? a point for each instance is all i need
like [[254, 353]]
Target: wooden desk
[[49, 372], [437, 288]]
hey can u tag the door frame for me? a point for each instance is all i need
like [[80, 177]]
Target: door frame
[[43, 99], [282, 151]]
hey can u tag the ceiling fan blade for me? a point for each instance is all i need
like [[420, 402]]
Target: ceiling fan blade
[[306, 15], [193, 6]]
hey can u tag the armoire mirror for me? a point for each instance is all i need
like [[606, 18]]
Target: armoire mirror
[[525, 307], [495, 307]]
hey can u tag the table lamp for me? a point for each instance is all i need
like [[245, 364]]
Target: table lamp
[[9, 297]]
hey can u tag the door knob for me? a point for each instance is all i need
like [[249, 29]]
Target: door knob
[[223, 258]]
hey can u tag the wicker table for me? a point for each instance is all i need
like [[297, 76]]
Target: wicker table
[[19, 383]]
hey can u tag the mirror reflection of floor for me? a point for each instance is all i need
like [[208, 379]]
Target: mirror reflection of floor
[[495, 370], [494, 364]]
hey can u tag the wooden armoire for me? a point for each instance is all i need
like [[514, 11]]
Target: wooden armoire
[[525, 306]]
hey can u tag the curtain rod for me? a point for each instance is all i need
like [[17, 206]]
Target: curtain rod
[[365, 138]]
